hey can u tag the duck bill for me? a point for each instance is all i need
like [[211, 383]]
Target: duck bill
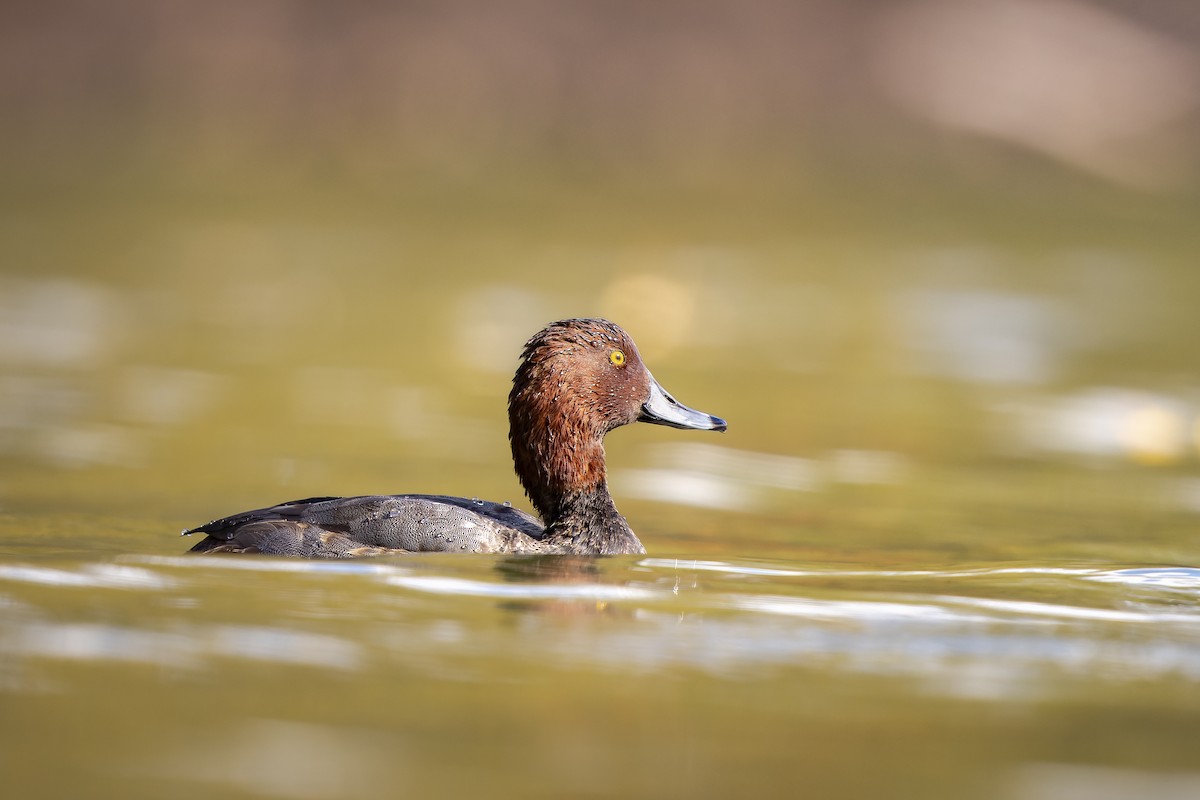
[[662, 409]]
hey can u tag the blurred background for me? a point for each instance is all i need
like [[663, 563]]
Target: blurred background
[[249, 250]]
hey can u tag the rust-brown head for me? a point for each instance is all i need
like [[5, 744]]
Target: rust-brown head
[[578, 379]]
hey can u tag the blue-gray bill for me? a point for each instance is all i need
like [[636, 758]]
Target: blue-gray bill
[[662, 409]]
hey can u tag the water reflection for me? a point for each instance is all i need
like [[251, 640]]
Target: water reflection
[[1184, 579], [167, 396], [81, 388], [300, 252], [259, 757], [711, 476], [990, 639], [89, 576], [58, 323], [1079, 781], [982, 336], [461, 587], [1105, 422], [573, 573]]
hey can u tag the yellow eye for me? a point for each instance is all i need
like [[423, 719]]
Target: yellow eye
[[617, 358]]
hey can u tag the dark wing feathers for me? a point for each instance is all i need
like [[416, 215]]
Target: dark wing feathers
[[224, 527], [288, 538]]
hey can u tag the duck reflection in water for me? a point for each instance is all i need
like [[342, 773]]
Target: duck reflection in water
[[565, 581], [578, 379]]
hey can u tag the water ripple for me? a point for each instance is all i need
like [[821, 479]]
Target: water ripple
[[1185, 579], [530, 591], [183, 648], [1014, 631], [91, 576], [269, 564], [747, 569]]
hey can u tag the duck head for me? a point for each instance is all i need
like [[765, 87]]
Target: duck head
[[578, 380]]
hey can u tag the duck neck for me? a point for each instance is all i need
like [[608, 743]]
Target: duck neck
[[588, 522], [567, 484]]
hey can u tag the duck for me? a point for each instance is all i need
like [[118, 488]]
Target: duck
[[578, 379]]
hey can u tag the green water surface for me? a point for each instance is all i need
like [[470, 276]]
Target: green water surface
[[930, 559]]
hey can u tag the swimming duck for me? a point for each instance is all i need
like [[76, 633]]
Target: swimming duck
[[578, 379]]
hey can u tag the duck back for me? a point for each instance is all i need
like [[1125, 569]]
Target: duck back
[[347, 527]]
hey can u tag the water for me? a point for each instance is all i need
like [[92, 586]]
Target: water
[[948, 547], [144, 673], [940, 279]]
